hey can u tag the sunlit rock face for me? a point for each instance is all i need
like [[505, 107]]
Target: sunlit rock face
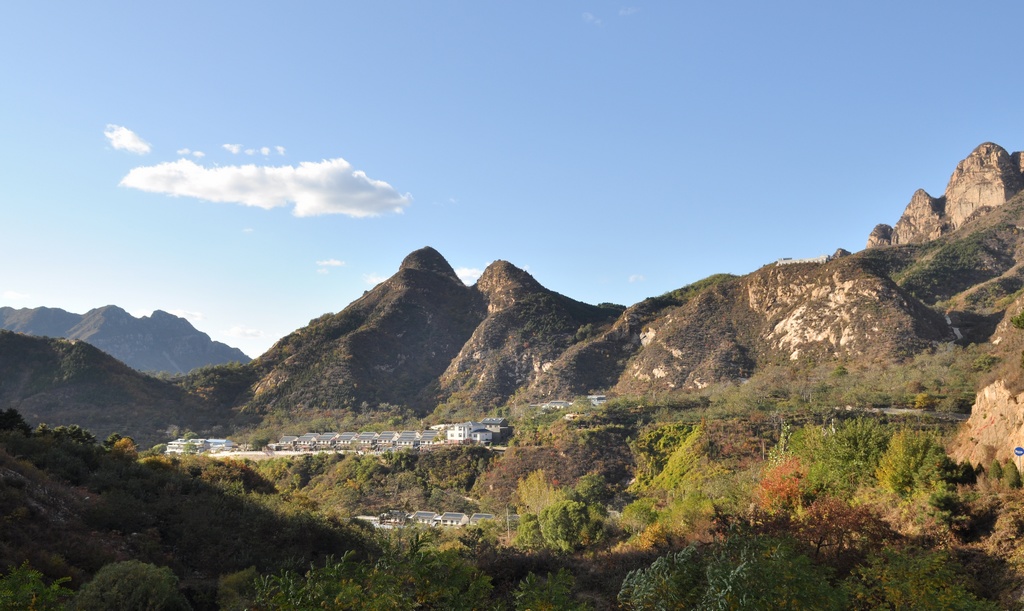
[[987, 178]]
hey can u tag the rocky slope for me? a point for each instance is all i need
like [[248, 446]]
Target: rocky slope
[[526, 329], [422, 338], [727, 329], [161, 342]]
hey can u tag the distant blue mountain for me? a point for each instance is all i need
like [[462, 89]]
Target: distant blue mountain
[[161, 342]]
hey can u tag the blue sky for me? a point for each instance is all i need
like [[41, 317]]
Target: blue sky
[[253, 165]]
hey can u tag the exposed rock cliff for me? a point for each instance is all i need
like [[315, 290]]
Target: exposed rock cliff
[[725, 328], [987, 178]]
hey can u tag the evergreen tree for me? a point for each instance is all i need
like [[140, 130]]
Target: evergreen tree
[[1011, 476]]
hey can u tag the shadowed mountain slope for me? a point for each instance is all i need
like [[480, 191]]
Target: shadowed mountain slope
[[60, 382], [160, 342]]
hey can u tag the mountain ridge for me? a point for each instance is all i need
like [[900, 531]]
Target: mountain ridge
[[159, 342]]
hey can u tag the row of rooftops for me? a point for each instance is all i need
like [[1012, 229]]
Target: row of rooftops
[[198, 446], [595, 400], [482, 432], [394, 518]]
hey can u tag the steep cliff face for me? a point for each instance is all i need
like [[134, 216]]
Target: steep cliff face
[[995, 427], [987, 178], [160, 342], [996, 424]]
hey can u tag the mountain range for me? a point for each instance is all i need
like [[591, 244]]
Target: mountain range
[[159, 342], [947, 273]]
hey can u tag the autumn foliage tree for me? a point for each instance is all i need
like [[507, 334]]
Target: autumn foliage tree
[[781, 487]]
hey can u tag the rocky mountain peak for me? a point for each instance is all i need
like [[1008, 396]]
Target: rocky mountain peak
[[503, 284], [986, 178], [429, 260]]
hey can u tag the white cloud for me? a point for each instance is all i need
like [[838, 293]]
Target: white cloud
[[124, 139], [373, 279], [315, 188], [628, 10], [591, 19], [265, 150], [188, 315], [468, 275], [248, 230], [238, 331], [196, 154], [15, 296], [636, 278], [328, 263], [279, 149], [234, 149]]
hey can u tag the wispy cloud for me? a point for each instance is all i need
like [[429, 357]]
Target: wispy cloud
[[239, 331], [188, 315], [235, 149], [628, 11], [248, 230], [196, 154], [468, 275], [315, 188], [326, 263], [636, 278], [591, 19], [373, 279], [124, 139], [14, 295]]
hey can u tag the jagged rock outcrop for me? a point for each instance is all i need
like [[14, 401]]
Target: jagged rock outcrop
[[988, 177], [923, 220], [160, 342], [881, 235]]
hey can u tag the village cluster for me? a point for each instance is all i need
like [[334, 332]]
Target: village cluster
[[449, 519], [486, 432]]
